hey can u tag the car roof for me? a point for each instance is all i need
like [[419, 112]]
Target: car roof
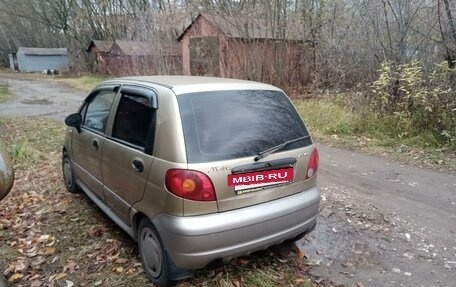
[[191, 84]]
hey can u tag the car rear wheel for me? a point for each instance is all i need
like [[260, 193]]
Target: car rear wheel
[[153, 255], [68, 176]]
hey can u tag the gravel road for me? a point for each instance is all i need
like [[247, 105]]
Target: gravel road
[[381, 223], [40, 98]]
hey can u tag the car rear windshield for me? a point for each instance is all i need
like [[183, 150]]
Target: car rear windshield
[[224, 125]]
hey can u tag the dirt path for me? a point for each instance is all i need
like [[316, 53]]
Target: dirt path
[[381, 223], [40, 98]]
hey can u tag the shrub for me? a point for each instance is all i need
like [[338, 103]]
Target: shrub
[[418, 103]]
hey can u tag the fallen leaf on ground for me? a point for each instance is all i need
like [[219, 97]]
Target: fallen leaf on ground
[[57, 277], [15, 277], [121, 260], [48, 251]]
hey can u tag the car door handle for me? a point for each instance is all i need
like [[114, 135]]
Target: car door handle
[[95, 144], [138, 165]]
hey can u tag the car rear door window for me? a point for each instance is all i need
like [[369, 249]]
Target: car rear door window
[[133, 123], [223, 125]]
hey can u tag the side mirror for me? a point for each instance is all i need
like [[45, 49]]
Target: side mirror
[[74, 120]]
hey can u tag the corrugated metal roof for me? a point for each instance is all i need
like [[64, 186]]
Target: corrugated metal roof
[[246, 27], [136, 48], [44, 51], [102, 46]]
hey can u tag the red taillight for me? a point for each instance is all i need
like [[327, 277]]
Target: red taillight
[[312, 166], [190, 184]]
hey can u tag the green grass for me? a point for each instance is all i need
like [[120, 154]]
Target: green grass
[[324, 117], [84, 83], [4, 93], [31, 140], [332, 121]]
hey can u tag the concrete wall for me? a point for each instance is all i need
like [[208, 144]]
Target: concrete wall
[[38, 63]]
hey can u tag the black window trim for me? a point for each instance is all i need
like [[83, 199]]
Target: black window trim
[[130, 145], [141, 90]]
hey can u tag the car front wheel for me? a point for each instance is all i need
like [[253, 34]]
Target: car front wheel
[[68, 176]]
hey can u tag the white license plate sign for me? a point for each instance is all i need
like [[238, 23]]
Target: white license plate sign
[[252, 181]]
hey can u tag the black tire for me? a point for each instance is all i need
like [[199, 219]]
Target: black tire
[[68, 176], [153, 255]]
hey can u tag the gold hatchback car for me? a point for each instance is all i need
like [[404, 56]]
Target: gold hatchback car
[[194, 168]]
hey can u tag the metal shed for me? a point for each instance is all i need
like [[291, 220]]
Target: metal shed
[[39, 59]]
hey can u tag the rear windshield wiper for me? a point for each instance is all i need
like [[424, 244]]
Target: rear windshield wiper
[[273, 149]]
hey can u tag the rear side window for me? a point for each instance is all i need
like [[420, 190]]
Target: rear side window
[[133, 120], [224, 125]]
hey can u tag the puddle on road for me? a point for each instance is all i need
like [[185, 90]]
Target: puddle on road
[[342, 249], [36, 102], [335, 242]]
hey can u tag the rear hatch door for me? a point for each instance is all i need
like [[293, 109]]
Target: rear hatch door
[[226, 130]]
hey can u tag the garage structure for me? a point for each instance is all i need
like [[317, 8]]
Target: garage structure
[[125, 57], [39, 59], [99, 50], [246, 48]]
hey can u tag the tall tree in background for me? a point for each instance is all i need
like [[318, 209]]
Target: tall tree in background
[[349, 38]]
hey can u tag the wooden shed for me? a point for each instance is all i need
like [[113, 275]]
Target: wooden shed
[[100, 50], [39, 59], [242, 47], [137, 58]]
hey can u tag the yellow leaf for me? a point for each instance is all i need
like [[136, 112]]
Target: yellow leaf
[[57, 277], [300, 253], [119, 270], [49, 251], [15, 277], [130, 271]]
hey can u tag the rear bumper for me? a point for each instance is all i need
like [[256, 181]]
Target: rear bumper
[[193, 242]]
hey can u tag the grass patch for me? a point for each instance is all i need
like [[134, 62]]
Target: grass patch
[[32, 140], [331, 121], [324, 117], [5, 95], [84, 83]]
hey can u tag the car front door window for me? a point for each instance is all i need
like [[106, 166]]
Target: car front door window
[[97, 111]]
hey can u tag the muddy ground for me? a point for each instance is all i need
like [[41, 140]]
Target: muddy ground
[[381, 223]]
